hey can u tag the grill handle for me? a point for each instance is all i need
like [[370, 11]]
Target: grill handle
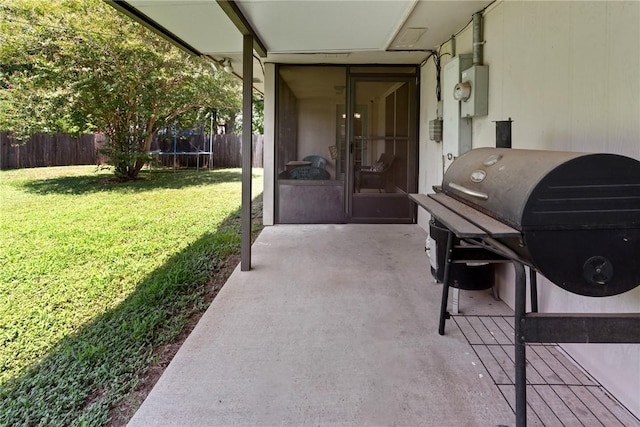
[[468, 191]]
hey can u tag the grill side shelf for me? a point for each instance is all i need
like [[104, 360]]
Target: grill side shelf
[[454, 222], [491, 226]]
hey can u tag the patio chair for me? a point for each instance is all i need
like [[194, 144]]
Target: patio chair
[[317, 161], [376, 175]]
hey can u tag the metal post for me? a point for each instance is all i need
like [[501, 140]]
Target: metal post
[[520, 345], [445, 282], [533, 285], [247, 107]]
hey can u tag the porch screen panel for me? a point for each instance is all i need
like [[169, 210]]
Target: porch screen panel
[[287, 125]]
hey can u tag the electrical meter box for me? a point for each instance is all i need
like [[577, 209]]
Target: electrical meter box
[[456, 130], [477, 104]]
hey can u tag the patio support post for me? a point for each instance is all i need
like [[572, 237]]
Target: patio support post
[[247, 151]]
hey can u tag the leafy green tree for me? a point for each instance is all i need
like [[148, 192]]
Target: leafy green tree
[[258, 114], [80, 66]]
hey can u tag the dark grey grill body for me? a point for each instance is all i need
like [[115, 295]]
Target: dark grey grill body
[[578, 213]]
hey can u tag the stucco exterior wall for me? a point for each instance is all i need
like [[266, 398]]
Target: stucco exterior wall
[[568, 75]]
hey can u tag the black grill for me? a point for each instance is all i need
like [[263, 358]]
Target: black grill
[[572, 217], [578, 214]]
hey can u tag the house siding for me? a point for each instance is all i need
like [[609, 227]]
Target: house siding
[[568, 75]]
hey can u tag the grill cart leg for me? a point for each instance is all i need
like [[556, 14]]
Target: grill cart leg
[[533, 284], [520, 345], [444, 315]]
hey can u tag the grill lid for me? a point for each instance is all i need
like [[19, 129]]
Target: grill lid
[[548, 189], [578, 214]]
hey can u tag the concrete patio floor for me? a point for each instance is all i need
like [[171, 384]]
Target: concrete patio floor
[[334, 325]]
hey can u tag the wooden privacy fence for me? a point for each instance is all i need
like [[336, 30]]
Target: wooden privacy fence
[[227, 151], [43, 150], [50, 150]]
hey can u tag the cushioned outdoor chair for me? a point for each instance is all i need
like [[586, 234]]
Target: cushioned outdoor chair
[[317, 161], [376, 175], [308, 172]]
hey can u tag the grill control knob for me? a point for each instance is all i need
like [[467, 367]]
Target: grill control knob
[[598, 270]]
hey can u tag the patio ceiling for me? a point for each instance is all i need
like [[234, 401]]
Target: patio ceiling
[[309, 31]]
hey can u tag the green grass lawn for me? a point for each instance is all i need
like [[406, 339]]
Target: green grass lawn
[[94, 275]]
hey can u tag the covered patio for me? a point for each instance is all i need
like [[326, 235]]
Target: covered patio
[[337, 325]]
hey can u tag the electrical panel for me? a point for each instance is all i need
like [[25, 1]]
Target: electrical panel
[[476, 102], [456, 130]]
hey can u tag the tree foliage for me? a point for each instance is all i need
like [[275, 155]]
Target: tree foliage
[[80, 66]]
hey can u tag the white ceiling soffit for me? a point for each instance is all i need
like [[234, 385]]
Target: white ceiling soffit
[[440, 19], [356, 31], [311, 26], [201, 23], [316, 31], [347, 31]]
